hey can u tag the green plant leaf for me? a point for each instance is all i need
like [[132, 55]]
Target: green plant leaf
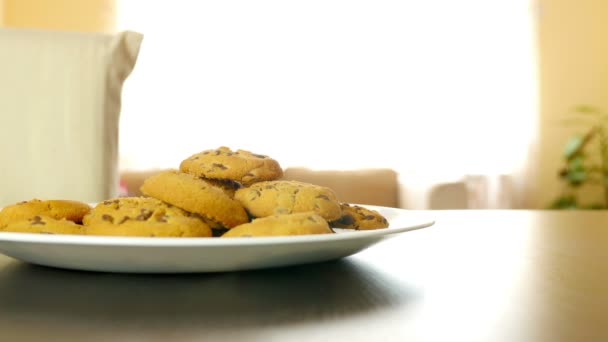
[[576, 163], [573, 145], [576, 178]]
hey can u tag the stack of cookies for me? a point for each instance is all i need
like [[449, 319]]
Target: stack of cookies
[[215, 193]]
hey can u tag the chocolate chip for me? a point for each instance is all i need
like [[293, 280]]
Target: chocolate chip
[[346, 220], [217, 232], [219, 166], [255, 194], [37, 220], [107, 202], [323, 197], [229, 154], [162, 218], [259, 156], [145, 214], [312, 219], [124, 219], [107, 217], [217, 153]]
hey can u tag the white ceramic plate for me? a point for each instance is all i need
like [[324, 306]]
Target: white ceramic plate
[[181, 255]]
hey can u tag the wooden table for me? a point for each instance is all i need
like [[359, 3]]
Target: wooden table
[[474, 276]]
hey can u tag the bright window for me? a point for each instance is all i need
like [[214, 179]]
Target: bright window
[[430, 86]]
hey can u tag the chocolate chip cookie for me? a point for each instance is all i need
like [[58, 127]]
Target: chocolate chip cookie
[[57, 209], [240, 165], [196, 195], [285, 197], [359, 218], [143, 216]]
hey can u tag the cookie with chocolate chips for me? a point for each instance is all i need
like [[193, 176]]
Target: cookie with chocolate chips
[[143, 216], [282, 225], [57, 209], [240, 166], [44, 225], [285, 197], [196, 195], [359, 218]]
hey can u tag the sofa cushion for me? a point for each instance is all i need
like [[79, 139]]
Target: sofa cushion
[[365, 186]]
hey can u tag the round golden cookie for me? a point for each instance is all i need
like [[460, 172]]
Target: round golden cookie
[[57, 209], [154, 227], [197, 196], [241, 166], [282, 225], [360, 218], [286, 197], [143, 216], [44, 225]]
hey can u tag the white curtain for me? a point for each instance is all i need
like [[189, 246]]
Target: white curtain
[[438, 90]]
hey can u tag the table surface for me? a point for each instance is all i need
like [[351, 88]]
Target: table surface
[[474, 276]]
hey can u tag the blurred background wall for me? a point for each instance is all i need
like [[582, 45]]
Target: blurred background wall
[[70, 15]]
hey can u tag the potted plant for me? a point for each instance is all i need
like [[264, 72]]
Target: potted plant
[[585, 160]]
